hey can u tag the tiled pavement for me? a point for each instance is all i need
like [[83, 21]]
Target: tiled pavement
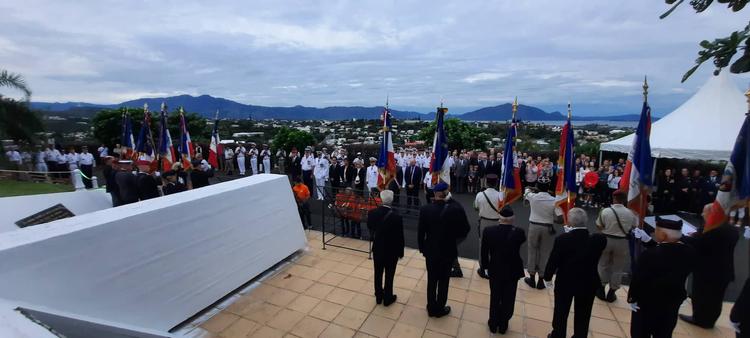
[[329, 293]]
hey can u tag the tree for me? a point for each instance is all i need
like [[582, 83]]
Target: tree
[[461, 135], [286, 138], [15, 81], [107, 125], [721, 50], [17, 120]]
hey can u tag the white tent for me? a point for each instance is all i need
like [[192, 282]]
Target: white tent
[[705, 127]]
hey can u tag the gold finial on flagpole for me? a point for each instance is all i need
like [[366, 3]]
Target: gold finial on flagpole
[[570, 110], [182, 111], [747, 95], [515, 107], [645, 88]]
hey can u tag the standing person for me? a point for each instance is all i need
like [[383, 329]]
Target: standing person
[[71, 158], [665, 192], [493, 167], [740, 315], [615, 223], [486, 203], [295, 165], [714, 270], [387, 233], [359, 176], [482, 170], [265, 155], [531, 175], [199, 175], [441, 226], [171, 184], [103, 152], [501, 256], [240, 153], [41, 164], [127, 186], [462, 172], [86, 160], [148, 187], [574, 258], [541, 232], [696, 185], [710, 187], [682, 193], [62, 164], [253, 153], [302, 197], [228, 160], [321, 173], [307, 164], [613, 183], [413, 178], [657, 288], [372, 176], [281, 160]]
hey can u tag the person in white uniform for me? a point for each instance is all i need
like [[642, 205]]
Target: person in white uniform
[[87, 163], [487, 203], [372, 176], [321, 172], [265, 155], [253, 153], [541, 232], [240, 151]]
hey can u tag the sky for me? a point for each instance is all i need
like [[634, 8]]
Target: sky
[[467, 54]]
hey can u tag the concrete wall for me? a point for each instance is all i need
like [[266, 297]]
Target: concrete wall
[[78, 202]]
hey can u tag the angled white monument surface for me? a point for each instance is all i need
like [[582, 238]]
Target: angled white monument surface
[[705, 127], [155, 263]]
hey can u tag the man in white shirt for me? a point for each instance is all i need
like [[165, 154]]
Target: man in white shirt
[[41, 164], [72, 159], [265, 155], [308, 164], [253, 153], [541, 232], [429, 194], [615, 223], [228, 160], [240, 152], [321, 172], [103, 151], [372, 176], [487, 203], [86, 160]]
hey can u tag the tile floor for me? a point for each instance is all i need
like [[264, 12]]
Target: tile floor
[[329, 293]]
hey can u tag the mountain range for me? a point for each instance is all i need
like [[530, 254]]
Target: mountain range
[[207, 106]]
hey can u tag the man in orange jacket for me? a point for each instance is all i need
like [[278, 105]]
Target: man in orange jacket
[[302, 196]]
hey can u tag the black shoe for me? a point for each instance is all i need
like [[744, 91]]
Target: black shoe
[[611, 297], [481, 272], [502, 328], [446, 310], [691, 320], [600, 293], [390, 301], [530, 282], [456, 272], [378, 299], [540, 284], [493, 327]]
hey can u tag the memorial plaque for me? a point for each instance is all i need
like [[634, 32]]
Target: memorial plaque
[[53, 213]]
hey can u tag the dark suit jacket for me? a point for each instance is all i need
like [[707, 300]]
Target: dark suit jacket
[[715, 249], [659, 277], [501, 251], [127, 186], [482, 168], [387, 233], [413, 176], [441, 226], [295, 168], [462, 168], [147, 186], [396, 183], [494, 167], [574, 259], [362, 177]]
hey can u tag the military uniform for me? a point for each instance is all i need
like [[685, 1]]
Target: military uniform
[[486, 203], [541, 234]]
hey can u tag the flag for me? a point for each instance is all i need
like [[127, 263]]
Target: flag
[[637, 180], [213, 148], [144, 146], [510, 178], [187, 152], [440, 152], [127, 142], [386, 160], [165, 143], [735, 182], [565, 191]]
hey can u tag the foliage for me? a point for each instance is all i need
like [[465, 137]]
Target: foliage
[[18, 122], [15, 81], [20, 188], [721, 50], [107, 125], [461, 135], [590, 149], [286, 138]]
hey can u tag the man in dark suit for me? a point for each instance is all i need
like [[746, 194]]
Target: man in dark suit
[[462, 172], [387, 233], [295, 164], [501, 246], [359, 176], [482, 170], [710, 187], [657, 288], [413, 181], [333, 173], [147, 184], [574, 259], [395, 186], [127, 185], [494, 166], [714, 269], [441, 226]]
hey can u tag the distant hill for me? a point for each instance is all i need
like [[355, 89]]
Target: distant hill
[[207, 105]]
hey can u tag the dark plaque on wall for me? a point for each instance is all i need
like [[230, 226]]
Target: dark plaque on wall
[[50, 214]]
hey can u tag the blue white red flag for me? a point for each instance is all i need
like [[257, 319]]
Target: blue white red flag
[[735, 182], [187, 152], [127, 142], [143, 146], [213, 148], [510, 178], [166, 152], [637, 179], [565, 191], [386, 160], [440, 152]]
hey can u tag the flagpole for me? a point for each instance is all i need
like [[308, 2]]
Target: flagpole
[[567, 196], [513, 119], [643, 198]]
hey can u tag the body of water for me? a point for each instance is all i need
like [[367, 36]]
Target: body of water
[[621, 124]]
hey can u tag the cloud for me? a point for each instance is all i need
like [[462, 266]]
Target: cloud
[[481, 77]]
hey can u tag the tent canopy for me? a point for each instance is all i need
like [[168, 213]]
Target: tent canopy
[[705, 127]]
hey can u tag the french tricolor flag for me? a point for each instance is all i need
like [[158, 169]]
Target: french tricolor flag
[[565, 191], [165, 143], [386, 160], [440, 152], [637, 179], [186, 144]]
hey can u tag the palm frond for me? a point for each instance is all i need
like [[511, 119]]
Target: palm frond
[[15, 81]]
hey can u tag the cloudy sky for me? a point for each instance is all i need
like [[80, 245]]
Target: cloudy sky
[[321, 53]]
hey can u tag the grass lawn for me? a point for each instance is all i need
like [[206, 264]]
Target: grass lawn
[[17, 188]]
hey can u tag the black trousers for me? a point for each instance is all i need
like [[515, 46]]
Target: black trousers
[[428, 195], [308, 180], [656, 322], [387, 265], [583, 303], [87, 171], [438, 277], [412, 196], [707, 297], [502, 300], [304, 214]]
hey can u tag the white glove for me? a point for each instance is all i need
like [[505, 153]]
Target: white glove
[[567, 228], [637, 233], [549, 284], [634, 307], [735, 326], [645, 238], [747, 233]]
